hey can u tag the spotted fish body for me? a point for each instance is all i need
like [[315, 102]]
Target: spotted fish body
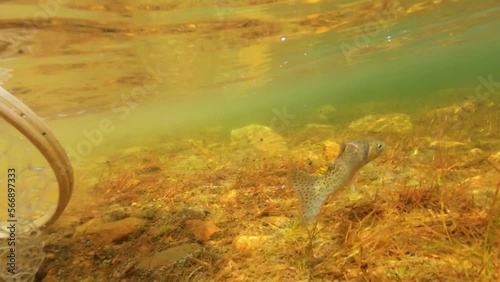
[[312, 191]]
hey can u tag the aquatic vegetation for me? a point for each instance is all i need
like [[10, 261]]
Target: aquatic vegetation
[[425, 210]]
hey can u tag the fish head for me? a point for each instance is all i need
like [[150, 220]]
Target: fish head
[[365, 150], [375, 147]]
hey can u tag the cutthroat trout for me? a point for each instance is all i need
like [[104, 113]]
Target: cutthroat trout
[[312, 191]]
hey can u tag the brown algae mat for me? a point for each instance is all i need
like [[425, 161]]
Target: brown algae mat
[[219, 210]]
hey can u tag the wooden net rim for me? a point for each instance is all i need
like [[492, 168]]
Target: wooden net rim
[[32, 127]]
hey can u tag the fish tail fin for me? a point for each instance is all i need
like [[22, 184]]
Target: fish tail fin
[[308, 189]]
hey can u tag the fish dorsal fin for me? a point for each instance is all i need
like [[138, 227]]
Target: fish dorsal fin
[[307, 187], [332, 166], [342, 147]]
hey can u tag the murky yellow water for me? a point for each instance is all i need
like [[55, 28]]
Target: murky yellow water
[[161, 67], [134, 77]]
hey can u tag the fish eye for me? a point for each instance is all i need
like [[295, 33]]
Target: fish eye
[[380, 146]]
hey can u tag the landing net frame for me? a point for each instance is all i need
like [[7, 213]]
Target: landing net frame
[[17, 114]]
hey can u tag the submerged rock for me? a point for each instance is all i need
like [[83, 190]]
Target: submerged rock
[[115, 213], [259, 137], [133, 151], [246, 243], [170, 256], [109, 232], [202, 230], [324, 113], [330, 149], [319, 129], [390, 123], [457, 111], [187, 214]]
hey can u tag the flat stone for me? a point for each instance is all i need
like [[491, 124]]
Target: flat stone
[[317, 132], [169, 256], [316, 128], [109, 232], [133, 150], [249, 242], [457, 111], [324, 113], [389, 123], [114, 213], [260, 138], [330, 149], [186, 213], [202, 230]]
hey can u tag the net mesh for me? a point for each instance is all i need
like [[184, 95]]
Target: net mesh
[[36, 191]]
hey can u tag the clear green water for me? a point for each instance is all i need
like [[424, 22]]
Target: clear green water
[[229, 65]]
